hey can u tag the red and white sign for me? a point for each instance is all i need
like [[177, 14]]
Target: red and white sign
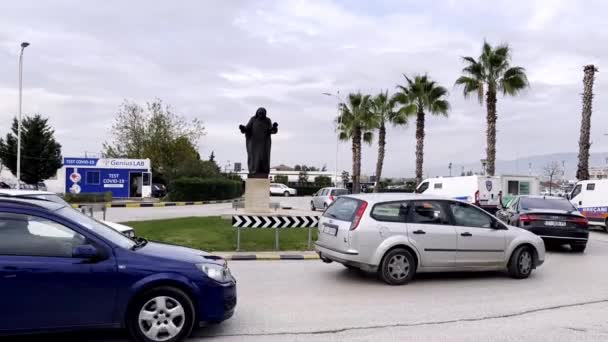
[[75, 177]]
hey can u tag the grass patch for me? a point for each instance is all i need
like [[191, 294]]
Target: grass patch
[[217, 234]]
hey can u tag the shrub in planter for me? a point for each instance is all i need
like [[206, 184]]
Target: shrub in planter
[[97, 197]]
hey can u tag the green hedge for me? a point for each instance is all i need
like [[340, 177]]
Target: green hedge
[[93, 197], [203, 189], [305, 190]]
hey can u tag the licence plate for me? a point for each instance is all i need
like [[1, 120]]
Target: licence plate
[[330, 230], [555, 223]]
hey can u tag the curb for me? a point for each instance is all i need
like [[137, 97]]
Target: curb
[[254, 257], [153, 205]]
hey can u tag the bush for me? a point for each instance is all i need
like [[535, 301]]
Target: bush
[[93, 197], [322, 181], [281, 179], [305, 189], [203, 189]]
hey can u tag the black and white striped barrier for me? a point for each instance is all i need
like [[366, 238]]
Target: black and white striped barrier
[[276, 222], [250, 221]]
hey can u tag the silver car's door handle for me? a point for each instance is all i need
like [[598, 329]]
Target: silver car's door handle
[[419, 231], [466, 234]]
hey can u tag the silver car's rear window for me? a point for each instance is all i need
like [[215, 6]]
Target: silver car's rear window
[[339, 192], [344, 209]]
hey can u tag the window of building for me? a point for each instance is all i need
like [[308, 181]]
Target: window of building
[[93, 177]]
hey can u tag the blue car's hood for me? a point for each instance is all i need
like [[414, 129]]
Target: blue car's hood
[[163, 250]]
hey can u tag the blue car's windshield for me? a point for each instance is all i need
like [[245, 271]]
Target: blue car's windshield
[[97, 227]]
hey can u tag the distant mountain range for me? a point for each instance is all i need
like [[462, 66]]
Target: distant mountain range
[[527, 165]]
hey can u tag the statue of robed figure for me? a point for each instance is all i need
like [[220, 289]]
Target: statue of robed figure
[[257, 136]]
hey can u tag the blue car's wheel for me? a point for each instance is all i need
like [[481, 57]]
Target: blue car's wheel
[[163, 314]]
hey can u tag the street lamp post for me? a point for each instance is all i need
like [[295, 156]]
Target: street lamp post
[[23, 46], [337, 134]]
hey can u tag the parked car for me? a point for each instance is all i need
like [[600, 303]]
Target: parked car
[[159, 190], [399, 235], [41, 186], [591, 199], [64, 270], [483, 191], [554, 219], [53, 197], [325, 197], [282, 189]]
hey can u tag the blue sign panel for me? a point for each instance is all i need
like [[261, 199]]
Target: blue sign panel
[[89, 180], [80, 161]]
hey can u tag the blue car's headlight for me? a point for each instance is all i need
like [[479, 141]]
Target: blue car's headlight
[[219, 273]]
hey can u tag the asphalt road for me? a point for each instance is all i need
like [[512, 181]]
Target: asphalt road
[[566, 299], [136, 214]]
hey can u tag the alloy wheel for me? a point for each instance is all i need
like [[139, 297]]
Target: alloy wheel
[[398, 267], [525, 262], [161, 318]]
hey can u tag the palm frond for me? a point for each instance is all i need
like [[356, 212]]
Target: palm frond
[[471, 85], [513, 81], [440, 107]]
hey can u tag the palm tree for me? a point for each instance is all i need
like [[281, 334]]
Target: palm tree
[[355, 123], [383, 109], [492, 72], [417, 96], [582, 172]]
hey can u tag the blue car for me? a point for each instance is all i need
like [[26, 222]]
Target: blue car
[[61, 270]]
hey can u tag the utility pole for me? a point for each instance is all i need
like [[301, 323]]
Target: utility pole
[[23, 46]]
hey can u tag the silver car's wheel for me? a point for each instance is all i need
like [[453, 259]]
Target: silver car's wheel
[[521, 263], [163, 314], [161, 318], [525, 262], [398, 267], [312, 206], [286, 194]]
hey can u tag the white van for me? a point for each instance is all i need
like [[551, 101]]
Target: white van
[[484, 191], [591, 199], [516, 185]]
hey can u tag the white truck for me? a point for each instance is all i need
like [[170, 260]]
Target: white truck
[[483, 191], [515, 185], [590, 197]]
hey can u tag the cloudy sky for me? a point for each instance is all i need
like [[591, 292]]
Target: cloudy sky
[[220, 60]]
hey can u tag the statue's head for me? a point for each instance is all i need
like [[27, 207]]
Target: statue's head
[[261, 113]]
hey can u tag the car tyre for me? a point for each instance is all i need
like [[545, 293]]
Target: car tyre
[[161, 314], [398, 267], [578, 248], [521, 263], [286, 194], [312, 206]]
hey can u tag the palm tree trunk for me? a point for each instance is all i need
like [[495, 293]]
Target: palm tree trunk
[[356, 160], [380, 162], [584, 144], [491, 132], [419, 144]]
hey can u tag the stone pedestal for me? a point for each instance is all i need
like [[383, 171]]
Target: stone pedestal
[[257, 195]]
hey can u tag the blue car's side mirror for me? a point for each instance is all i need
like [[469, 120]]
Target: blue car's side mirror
[[85, 252]]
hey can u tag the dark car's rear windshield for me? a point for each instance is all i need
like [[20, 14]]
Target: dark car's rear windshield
[[339, 192], [344, 209], [528, 203]]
